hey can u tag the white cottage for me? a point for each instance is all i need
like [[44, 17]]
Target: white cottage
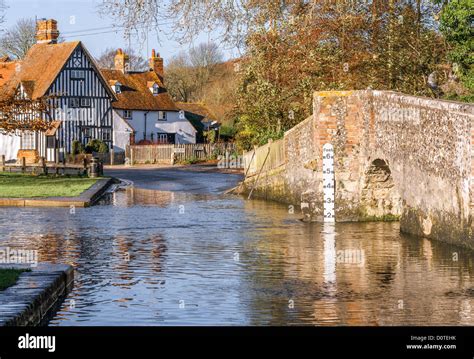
[[145, 112]]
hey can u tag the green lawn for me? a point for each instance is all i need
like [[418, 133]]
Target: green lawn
[[8, 277], [16, 185]]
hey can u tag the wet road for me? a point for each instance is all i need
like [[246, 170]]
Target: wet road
[[198, 179], [173, 250]]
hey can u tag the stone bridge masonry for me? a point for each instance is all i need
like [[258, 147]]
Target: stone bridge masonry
[[395, 157]]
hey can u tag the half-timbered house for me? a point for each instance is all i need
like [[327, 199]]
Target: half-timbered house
[[66, 74]]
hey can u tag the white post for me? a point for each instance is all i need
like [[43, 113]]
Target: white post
[[328, 183]]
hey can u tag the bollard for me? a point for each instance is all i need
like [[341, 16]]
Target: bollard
[[84, 163], [94, 168]]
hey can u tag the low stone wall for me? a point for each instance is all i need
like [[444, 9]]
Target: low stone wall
[[396, 157], [36, 296]]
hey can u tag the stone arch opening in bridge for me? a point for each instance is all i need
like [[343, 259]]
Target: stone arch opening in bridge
[[380, 198]]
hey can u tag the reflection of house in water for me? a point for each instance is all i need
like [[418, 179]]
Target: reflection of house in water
[[133, 196], [136, 254]]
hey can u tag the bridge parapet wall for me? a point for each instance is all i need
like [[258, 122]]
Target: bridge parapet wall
[[396, 156], [428, 144]]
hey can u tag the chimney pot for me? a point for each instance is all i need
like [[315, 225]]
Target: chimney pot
[[156, 64], [121, 61], [47, 31]]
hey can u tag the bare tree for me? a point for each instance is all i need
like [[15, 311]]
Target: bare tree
[[3, 8], [190, 17], [206, 55], [188, 72], [17, 40], [180, 78], [137, 62]]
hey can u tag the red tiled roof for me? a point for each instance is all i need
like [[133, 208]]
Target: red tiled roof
[[38, 70], [135, 94], [7, 70], [41, 65], [198, 109]]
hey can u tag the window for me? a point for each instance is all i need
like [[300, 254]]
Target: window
[[118, 89], [50, 142], [28, 141], [85, 102], [127, 114], [77, 59], [77, 74], [156, 89], [161, 116], [165, 138], [87, 132], [106, 134], [74, 102]]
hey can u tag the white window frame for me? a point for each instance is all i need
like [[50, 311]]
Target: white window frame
[[161, 115], [127, 114], [28, 140], [118, 88]]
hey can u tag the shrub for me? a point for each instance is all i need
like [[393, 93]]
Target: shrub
[[77, 147], [97, 146], [103, 148]]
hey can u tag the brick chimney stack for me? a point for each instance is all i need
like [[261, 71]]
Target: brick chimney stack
[[121, 61], [47, 31], [156, 64]]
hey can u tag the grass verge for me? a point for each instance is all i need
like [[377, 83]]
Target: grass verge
[[17, 185], [8, 277]]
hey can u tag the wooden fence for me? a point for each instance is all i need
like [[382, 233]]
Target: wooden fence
[[265, 158], [170, 154], [111, 158], [43, 167]]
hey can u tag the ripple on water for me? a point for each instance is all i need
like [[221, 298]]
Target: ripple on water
[[146, 257]]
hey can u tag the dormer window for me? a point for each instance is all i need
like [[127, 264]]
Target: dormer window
[[154, 87], [116, 86]]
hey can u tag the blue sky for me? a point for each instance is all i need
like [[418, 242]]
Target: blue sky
[[79, 20]]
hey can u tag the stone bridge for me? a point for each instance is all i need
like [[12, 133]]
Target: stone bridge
[[395, 157]]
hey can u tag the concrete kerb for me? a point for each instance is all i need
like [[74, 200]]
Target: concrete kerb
[[37, 294], [85, 199]]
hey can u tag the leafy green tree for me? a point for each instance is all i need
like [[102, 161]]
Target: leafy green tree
[[457, 25]]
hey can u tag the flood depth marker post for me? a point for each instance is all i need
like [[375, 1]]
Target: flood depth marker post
[[328, 183]]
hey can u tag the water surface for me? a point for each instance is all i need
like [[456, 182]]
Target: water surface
[[155, 255]]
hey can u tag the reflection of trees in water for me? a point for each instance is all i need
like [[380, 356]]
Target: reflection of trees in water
[[402, 280]]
